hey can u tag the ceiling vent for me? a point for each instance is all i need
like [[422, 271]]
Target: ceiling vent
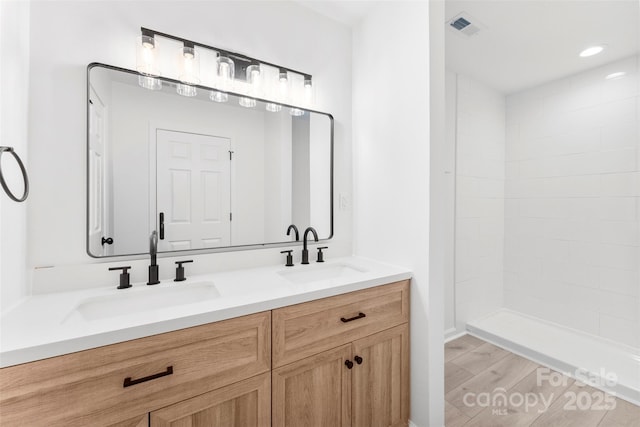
[[465, 24]]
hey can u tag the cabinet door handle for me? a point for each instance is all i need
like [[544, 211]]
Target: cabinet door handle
[[358, 360], [348, 364], [128, 382], [359, 316]]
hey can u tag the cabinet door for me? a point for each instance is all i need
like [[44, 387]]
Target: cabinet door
[[314, 392], [381, 379], [139, 421], [243, 404]]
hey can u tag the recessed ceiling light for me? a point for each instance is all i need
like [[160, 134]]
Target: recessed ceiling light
[[590, 51], [617, 75]]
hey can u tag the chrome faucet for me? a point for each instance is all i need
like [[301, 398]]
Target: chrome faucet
[[154, 270], [305, 251]]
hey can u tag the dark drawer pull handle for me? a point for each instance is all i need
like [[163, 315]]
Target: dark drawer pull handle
[[358, 360], [359, 316], [348, 364], [128, 382]]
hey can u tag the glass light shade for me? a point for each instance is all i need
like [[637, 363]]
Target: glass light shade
[[253, 73], [189, 63], [218, 96], [225, 73], [308, 92], [297, 112], [150, 83], [146, 56], [186, 90], [247, 102], [284, 91], [273, 107], [254, 79]]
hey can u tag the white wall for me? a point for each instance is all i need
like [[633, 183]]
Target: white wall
[[572, 192], [392, 175], [449, 225], [66, 36], [14, 90], [479, 189]]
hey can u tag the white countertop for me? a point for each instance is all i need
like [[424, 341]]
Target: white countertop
[[48, 325]]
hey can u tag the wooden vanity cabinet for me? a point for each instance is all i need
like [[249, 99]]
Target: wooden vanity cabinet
[[362, 383], [91, 387], [338, 361], [243, 404]]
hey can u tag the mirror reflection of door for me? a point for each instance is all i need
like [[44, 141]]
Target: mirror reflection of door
[[98, 215], [193, 190]]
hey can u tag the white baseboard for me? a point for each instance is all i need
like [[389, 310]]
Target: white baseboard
[[452, 334]]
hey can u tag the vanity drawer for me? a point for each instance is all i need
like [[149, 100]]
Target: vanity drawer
[[306, 329], [88, 387]]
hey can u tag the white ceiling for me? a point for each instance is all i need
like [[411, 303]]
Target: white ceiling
[[347, 12], [529, 42]]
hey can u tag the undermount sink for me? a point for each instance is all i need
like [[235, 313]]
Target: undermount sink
[[314, 273], [148, 299]]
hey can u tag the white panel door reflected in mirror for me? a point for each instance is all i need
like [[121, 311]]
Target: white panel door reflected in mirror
[[204, 175]]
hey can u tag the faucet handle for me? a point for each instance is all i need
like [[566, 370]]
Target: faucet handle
[[124, 276], [320, 254], [289, 257], [180, 271]]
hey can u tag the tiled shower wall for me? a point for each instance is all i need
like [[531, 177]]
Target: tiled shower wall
[[572, 202], [479, 226]]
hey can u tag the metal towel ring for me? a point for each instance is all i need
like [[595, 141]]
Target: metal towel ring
[[24, 176]]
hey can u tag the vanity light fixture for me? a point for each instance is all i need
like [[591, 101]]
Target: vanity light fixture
[[616, 76], [189, 60], [146, 52], [233, 72], [226, 71], [282, 75], [592, 50]]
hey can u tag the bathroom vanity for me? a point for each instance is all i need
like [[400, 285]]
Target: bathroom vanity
[[313, 351]]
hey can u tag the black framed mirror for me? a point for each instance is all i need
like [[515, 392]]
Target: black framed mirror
[[206, 175]]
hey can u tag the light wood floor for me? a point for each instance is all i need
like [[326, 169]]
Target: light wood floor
[[486, 386]]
